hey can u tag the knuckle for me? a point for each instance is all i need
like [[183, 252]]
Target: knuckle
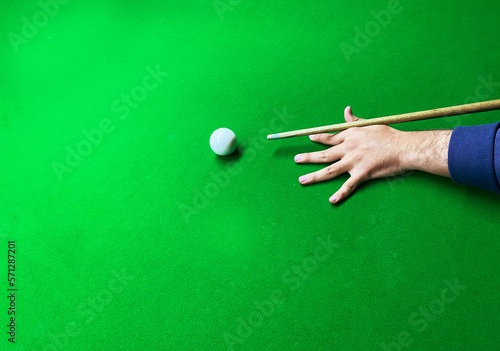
[[350, 185], [357, 158], [331, 170], [323, 155]]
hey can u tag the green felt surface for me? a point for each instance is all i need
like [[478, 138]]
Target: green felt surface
[[201, 244]]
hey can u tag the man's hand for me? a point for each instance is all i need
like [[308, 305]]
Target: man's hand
[[375, 152]]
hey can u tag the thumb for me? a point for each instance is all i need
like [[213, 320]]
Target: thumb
[[349, 117]]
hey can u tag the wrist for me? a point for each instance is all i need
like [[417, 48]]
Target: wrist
[[410, 153], [426, 151]]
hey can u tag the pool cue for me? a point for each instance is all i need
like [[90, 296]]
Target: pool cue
[[406, 117]]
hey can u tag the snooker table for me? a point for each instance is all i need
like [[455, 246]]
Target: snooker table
[[121, 230]]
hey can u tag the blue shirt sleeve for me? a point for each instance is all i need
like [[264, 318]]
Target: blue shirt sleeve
[[474, 156]]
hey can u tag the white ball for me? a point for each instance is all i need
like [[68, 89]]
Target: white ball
[[223, 141]]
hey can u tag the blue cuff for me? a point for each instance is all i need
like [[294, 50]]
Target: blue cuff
[[497, 157], [474, 156]]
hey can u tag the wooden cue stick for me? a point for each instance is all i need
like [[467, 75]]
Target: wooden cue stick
[[406, 117]]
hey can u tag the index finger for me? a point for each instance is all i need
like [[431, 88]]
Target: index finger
[[328, 139]]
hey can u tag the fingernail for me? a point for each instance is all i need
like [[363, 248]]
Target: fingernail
[[334, 199], [298, 158], [313, 136], [303, 179]]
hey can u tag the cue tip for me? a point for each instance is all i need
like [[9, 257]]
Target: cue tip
[[272, 137]]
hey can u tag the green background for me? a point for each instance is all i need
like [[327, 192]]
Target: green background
[[191, 277]]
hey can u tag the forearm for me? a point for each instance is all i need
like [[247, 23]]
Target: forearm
[[426, 151]]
